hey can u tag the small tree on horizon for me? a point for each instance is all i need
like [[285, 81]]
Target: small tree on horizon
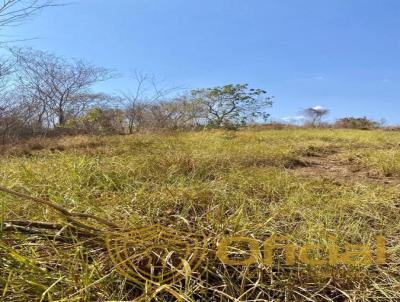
[[315, 115], [232, 104]]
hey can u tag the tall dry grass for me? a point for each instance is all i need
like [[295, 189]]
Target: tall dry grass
[[222, 183]]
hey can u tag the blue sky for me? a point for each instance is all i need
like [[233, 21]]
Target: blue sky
[[340, 54]]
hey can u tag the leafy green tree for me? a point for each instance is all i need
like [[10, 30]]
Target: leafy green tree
[[232, 104]]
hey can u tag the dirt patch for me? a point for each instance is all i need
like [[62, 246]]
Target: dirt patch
[[327, 164], [319, 151], [296, 164]]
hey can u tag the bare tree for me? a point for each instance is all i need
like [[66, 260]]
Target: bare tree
[[315, 115], [143, 100], [13, 12], [55, 87], [12, 117], [189, 113]]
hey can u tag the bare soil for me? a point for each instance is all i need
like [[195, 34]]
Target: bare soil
[[326, 164]]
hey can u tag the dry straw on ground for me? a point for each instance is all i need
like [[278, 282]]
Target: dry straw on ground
[[308, 183]]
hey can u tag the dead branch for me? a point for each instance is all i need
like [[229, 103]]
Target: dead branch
[[35, 224], [43, 230], [13, 12], [66, 213]]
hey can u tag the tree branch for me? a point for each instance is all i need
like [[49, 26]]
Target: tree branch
[[69, 215]]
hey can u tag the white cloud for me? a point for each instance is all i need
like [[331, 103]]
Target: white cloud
[[293, 119]]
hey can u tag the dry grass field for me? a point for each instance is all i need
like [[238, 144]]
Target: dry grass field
[[306, 183]]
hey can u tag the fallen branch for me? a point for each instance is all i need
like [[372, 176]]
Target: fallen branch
[[68, 214], [43, 230], [34, 224], [39, 234], [23, 229]]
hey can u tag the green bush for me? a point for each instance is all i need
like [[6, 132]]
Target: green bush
[[356, 123]]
